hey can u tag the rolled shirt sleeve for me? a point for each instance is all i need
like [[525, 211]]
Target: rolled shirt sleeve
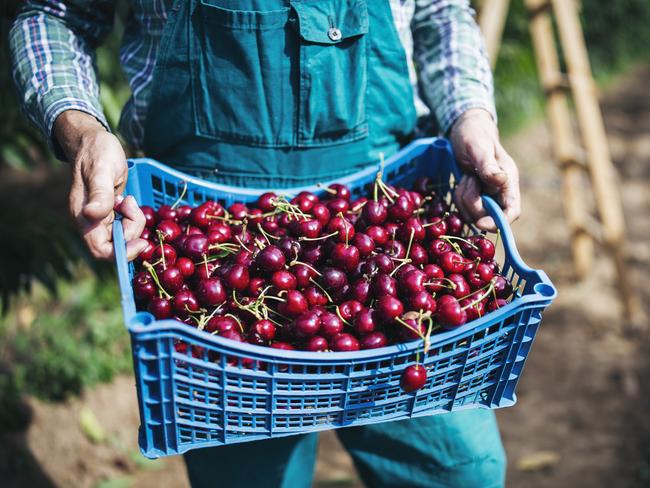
[[52, 46], [451, 60]]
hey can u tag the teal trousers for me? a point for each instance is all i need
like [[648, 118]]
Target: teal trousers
[[460, 449]]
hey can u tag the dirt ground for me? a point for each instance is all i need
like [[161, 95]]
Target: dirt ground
[[583, 416]]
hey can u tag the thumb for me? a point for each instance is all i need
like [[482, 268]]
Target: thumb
[[101, 196], [488, 170]]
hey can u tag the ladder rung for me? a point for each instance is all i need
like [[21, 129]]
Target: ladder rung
[[559, 82], [542, 7]]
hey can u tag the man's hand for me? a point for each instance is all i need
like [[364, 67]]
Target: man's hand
[[99, 174], [487, 167]]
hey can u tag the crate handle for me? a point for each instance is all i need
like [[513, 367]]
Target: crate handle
[[507, 238], [126, 292]]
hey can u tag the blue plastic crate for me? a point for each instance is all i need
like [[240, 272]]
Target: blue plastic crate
[[209, 395]]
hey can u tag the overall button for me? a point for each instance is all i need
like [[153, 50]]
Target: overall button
[[334, 34]]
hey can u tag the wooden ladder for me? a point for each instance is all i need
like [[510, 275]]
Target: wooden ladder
[[592, 155]]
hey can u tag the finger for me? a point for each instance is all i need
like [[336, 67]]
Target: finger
[[100, 192], [472, 199], [132, 218], [487, 224], [487, 167], [134, 248], [509, 196], [76, 197], [459, 197], [98, 240]]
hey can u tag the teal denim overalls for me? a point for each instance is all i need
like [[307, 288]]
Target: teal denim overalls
[[279, 93]]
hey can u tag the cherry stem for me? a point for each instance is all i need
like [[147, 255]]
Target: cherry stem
[[326, 188], [180, 198], [265, 234], [295, 261], [236, 319], [162, 248], [154, 275], [329, 298], [338, 312], [408, 326], [321, 238], [242, 244], [469, 243], [487, 287], [225, 219]]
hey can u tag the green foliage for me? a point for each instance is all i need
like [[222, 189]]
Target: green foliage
[[73, 342], [616, 34]]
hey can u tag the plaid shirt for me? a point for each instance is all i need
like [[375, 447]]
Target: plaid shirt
[[53, 42]]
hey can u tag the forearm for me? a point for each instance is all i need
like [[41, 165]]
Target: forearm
[[73, 130], [451, 60], [52, 52]]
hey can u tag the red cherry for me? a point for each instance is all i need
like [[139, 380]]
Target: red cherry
[[316, 344], [171, 279], [149, 216], [264, 329], [364, 244], [237, 277], [436, 229], [502, 287], [360, 291], [306, 325], [340, 191], [315, 296], [343, 227], [422, 301], [168, 251], [338, 205], [321, 213], [265, 202], [454, 224], [185, 302], [374, 213], [346, 257], [389, 308], [373, 340], [383, 284], [296, 303], [413, 378], [303, 275], [452, 262], [364, 322], [169, 230], [166, 212], [473, 308], [211, 292], [331, 324], [284, 280], [413, 226], [185, 266], [402, 209], [271, 258], [310, 228], [160, 308], [451, 314], [344, 343], [196, 246], [220, 324], [496, 304], [349, 309], [378, 235], [413, 281]]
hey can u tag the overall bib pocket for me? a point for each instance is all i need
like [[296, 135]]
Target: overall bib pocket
[[291, 75], [333, 71], [241, 73]]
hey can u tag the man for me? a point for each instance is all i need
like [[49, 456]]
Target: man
[[277, 93]]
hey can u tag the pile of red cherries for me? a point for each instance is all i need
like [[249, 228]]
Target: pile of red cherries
[[320, 273]]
